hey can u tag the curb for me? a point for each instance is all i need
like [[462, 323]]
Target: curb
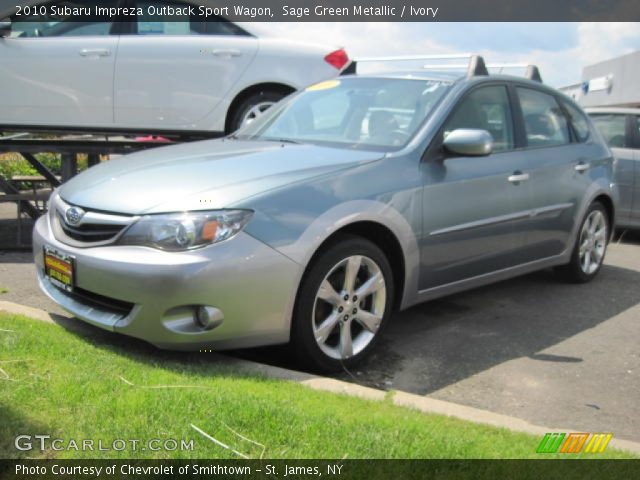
[[398, 398], [17, 309]]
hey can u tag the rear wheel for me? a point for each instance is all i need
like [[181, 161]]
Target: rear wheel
[[252, 107], [590, 248], [343, 304]]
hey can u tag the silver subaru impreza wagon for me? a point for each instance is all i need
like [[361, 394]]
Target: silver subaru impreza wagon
[[344, 202]]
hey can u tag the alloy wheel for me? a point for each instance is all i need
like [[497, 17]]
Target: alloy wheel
[[255, 111], [349, 307], [593, 242]]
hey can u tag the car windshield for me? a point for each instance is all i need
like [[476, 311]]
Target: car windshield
[[367, 113]]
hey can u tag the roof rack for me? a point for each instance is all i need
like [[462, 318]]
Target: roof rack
[[395, 58], [532, 72], [475, 66]]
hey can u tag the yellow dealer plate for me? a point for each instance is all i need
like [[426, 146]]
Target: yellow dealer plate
[[59, 268]]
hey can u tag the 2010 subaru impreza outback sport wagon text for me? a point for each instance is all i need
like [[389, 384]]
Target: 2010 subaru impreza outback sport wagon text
[[349, 199]]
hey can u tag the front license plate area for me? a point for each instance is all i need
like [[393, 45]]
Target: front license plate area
[[59, 268]]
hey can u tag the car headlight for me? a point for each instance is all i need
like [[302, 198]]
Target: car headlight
[[187, 230]]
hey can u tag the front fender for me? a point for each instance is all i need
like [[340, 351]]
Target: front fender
[[301, 245]]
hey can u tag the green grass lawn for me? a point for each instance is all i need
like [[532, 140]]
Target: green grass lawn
[[78, 386]]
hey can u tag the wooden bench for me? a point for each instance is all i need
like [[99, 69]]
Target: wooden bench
[[36, 182], [28, 178], [24, 197]]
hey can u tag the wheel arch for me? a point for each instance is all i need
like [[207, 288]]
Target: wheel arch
[[381, 236], [599, 191], [609, 206], [251, 90]]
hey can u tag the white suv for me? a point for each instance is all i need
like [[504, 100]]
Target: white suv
[[133, 73]]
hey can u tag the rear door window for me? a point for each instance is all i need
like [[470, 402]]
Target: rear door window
[[544, 121], [613, 129], [578, 121]]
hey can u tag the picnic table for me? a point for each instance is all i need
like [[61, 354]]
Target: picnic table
[[24, 205], [69, 145]]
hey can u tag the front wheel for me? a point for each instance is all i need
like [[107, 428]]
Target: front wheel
[[590, 248], [343, 304]]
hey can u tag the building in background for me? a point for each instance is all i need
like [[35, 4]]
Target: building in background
[[612, 83], [573, 91]]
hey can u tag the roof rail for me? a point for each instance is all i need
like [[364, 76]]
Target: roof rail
[[532, 72], [475, 66], [455, 56]]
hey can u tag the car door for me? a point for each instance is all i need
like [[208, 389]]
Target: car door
[[472, 206], [558, 166], [171, 74], [57, 70], [617, 131]]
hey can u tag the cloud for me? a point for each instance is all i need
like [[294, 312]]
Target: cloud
[[602, 41], [561, 50]]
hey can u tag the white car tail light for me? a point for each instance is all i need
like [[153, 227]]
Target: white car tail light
[[337, 58]]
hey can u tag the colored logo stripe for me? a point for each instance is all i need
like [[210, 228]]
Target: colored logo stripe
[[550, 443], [574, 442], [598, 442]]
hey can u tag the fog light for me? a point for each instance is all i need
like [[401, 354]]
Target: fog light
[[208, 318]]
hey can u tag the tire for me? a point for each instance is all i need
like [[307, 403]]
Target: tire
[[349, 320], [591, 242], [262, 100]]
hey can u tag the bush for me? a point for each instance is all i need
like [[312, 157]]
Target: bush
[[14, 164]]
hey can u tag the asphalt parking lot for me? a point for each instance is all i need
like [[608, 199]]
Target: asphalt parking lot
[[554, 354]]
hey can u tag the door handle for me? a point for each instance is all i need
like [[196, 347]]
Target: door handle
[[582, 167], [95, 52], [226, 53], [518, 177]]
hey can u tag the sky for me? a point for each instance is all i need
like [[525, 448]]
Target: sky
[[559, 49]]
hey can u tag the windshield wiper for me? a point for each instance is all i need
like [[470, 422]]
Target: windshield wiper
[[281, 140]]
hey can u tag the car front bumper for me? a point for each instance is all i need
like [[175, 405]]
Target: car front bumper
[[152, 294]]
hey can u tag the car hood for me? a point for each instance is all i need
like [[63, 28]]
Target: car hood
[[202, 175]]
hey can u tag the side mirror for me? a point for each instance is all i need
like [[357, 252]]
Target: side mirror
[[469, 142], [5, 28]]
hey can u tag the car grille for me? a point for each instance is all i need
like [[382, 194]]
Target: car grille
[[100, 302], [86, 304], [90, 232], [94, 228]]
